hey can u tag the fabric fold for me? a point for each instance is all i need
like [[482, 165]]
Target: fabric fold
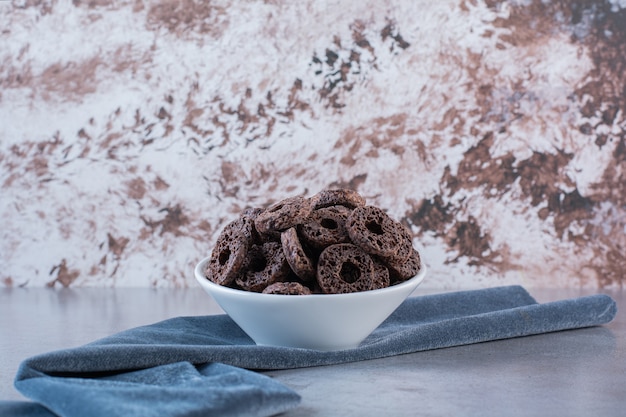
[[176, 389], [186, 364]]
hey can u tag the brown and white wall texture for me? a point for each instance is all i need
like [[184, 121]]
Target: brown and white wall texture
[[132, 131]]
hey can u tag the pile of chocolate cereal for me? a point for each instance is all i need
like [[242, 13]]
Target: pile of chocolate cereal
[[330, 243]]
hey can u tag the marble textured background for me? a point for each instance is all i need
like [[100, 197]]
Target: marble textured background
[[132, 131]]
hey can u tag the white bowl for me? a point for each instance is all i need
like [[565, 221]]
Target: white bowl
[[317, 321]]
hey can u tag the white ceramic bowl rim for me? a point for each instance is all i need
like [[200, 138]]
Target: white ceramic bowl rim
[[199, 273]]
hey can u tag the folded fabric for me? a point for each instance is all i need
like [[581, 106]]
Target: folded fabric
[[185, 365], [176, 389]]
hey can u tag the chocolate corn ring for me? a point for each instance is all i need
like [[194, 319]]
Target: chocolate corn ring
[[326, 226], [299, 261], [229, 254], [400, 272], [382, 274], [266, 265], [371, 229], [404, 246], [287, 288], [344, 268], [282, 215], [341, 197]]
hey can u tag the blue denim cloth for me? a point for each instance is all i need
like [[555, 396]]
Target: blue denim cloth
[[195, 365]]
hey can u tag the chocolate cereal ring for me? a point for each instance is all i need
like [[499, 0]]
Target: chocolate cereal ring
[[299, 261], [251, 213], [404, 247], [382, 274], [340, 197], [282, 215], [287, 288], [266, 265], [229, 254], [344, 268], [371, 229], [400, 272], [326, 226]]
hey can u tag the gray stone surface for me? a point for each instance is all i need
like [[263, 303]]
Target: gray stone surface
[[574, 373]]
